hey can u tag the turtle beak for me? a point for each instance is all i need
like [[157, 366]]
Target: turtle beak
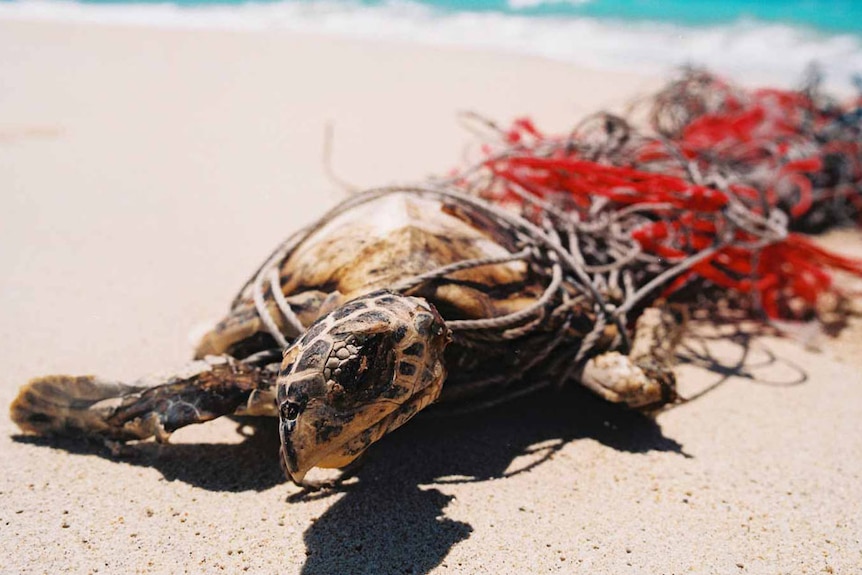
[[314, 433], [291, 465], [342, 388], [322, 436], [304, 427]]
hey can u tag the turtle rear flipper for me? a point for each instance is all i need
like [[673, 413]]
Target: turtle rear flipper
[[207, 389], [67, 405]]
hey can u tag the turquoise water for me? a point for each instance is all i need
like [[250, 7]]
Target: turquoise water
[[833, 16], [830, 16]]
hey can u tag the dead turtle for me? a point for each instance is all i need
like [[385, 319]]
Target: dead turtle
[[397, 299]]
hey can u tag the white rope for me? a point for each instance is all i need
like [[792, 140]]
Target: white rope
[[296, 327]]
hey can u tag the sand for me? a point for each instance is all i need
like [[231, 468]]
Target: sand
[[145, 173]]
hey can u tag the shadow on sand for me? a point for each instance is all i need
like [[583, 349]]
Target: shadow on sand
[[251, 465], [388, 516], [387, 519]]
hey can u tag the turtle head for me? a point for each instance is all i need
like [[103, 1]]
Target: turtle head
[[356, 374]]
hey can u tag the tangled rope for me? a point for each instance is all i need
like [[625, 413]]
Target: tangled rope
[[609, 218], [539, 247], [705, 201]]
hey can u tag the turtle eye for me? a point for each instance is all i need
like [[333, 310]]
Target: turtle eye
[[289, 411], [437, 328]]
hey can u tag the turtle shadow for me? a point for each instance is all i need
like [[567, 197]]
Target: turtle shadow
[[391, 518], [475, 447], [250, 465]]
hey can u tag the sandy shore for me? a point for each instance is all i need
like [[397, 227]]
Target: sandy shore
[[145, 174]]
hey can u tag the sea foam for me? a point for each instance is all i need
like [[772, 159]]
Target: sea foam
[[749, 51]]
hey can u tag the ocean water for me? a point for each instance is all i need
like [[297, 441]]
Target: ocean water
[[765, 41]]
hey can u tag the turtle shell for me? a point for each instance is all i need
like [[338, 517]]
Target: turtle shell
[[381, 244]]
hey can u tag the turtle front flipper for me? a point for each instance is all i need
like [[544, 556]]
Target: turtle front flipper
[[644, 378], [85, 405]]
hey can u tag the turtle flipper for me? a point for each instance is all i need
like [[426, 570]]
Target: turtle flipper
[[67, 405], [644, 378]]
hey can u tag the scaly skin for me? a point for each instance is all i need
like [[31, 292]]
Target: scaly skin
[[355, 375]]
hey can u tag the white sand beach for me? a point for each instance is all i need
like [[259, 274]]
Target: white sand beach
[[145, 173]]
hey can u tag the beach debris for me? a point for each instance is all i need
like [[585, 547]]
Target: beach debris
[[553, 259], [711, 199]]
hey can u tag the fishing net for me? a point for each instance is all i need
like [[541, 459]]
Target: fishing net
[[701, 206], [704, 206]]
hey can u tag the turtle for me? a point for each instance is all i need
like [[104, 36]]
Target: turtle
[[397, 299]]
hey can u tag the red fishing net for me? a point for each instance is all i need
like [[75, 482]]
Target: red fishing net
[[703, 200]]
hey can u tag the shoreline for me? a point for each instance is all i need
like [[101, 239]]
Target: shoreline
[[748, 51]]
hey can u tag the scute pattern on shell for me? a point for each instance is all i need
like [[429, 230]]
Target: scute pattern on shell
[[514, 313]]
